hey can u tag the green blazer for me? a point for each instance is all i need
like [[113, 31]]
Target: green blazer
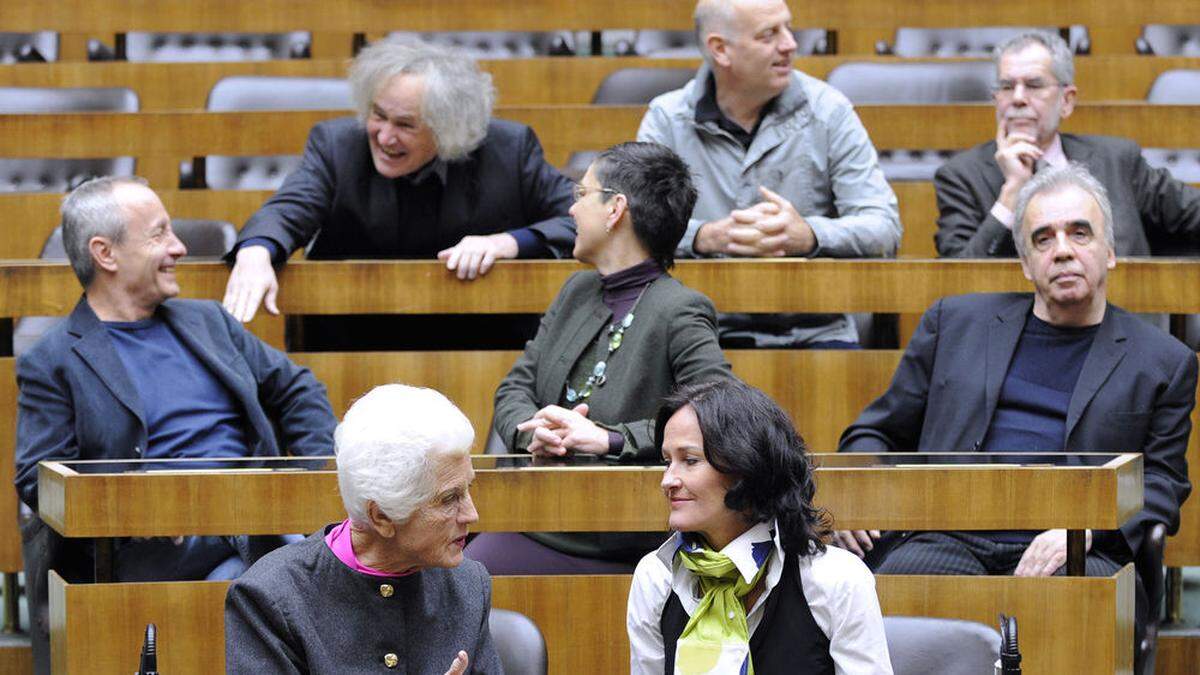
[[672, 341]]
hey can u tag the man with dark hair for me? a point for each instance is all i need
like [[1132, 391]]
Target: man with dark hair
[[133, 373], [783, 165], [1064, 371], [1035, 91]]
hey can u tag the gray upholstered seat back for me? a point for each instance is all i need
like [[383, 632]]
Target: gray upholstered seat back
[[167, 47], [501, 44], [268, 93], [924, 83], [921, 645], [60, 175], [980, 41], [518, 642], [1178, 87], [1172, 40], [15, 47]]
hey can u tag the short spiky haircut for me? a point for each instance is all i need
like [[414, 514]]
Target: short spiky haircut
[[658, 187]]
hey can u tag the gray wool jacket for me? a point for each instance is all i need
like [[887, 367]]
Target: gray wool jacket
[[301, 610]]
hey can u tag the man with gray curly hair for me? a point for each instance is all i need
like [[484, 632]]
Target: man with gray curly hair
[[388, 585], [1034, 92], [423, 172]]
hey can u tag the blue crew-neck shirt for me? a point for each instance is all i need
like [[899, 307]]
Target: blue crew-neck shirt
[[188, 411], [1031, 413]]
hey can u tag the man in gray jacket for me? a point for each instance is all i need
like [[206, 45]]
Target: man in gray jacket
[[783, 165]]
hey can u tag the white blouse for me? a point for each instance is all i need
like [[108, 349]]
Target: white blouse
[[839, 588]]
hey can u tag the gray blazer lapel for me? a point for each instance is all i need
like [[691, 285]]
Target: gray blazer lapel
[[96, 350], [1108, 348], [1003, 334]]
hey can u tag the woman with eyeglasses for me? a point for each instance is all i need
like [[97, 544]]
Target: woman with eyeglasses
[[612, 345], [746, 584]]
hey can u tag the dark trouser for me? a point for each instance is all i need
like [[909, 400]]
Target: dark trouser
[[965, 553]]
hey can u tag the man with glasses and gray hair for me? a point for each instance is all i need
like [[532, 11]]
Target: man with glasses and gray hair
[[1034, 91]]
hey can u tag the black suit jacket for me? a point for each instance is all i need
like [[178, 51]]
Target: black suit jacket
[[1134, 394], [339, 198], [1154, 213]]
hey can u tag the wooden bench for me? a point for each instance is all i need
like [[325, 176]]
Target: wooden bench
[[1058, 611], [160, 140], [857, 24], [529, 81]]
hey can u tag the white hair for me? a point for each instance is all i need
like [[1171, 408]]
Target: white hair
[[1062, 62], [385, 446], [458, 98]]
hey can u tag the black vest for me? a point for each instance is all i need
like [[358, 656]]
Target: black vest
[[788, 639]]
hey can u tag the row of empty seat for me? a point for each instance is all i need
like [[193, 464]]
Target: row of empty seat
[[1161, 40], [863, 83]]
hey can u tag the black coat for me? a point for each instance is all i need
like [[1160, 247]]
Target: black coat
[[338, 198], [1135, 394]]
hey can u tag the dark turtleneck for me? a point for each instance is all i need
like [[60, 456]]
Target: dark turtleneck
[[622, 289]]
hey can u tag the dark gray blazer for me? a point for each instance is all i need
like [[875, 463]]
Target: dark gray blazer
[[339, 198], [301, 610], [673, 341], [1134, 394], [77, 400], [1154, 213]]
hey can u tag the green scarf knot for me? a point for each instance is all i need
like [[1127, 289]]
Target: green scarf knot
[[718, 626]]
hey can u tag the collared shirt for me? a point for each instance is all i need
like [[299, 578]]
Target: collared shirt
[[1053, 156], [707, 110], [839, 588]]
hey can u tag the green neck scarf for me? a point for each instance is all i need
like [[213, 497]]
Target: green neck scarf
[[718, 626]]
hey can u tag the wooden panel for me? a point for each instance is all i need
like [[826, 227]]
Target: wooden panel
[[371, 15], [530, 81], [582, 618], [1178, 652], [31, 288], [467, 378], [1068, 625], [10, 545], [99, 628], [1183, 550], [16, 656], [553, 498], [562, 129]]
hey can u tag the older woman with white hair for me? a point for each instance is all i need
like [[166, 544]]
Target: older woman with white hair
[[388, 586], [423, 171]]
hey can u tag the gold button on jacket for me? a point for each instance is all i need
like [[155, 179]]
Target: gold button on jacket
[[386, 590], [390, 660]]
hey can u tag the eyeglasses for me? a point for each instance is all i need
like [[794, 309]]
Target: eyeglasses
[[579, 190], [1006, 88]]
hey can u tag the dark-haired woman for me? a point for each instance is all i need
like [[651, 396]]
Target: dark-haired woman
[[610, 348], [746, 583]]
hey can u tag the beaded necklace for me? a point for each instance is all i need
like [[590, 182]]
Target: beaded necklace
[[616, 334]]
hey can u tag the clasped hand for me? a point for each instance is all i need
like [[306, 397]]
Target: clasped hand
[[557, 431], [770, 228]]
